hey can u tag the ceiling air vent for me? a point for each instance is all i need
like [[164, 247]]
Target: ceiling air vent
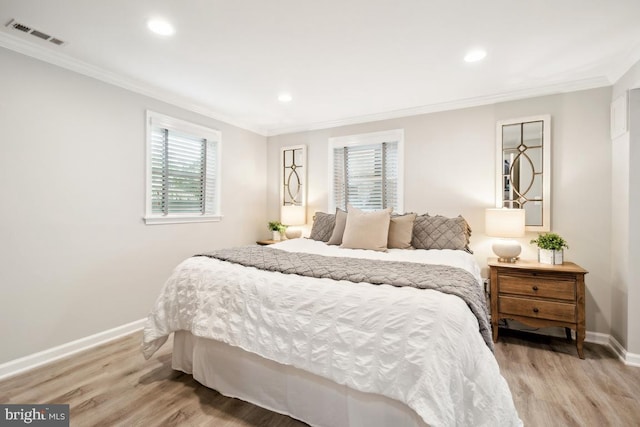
[[39, 34]]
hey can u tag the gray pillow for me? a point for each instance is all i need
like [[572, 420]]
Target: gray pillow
[[323, 224], [439, 232], [338, 230]]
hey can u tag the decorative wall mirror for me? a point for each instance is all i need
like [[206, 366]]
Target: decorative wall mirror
[[523, 172], [293, 175], [293, 182]]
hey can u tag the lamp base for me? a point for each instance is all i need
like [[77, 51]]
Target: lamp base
[[293, 233], [506, 250], [509, 260]]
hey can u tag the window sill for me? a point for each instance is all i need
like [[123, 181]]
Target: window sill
[[177, 219]]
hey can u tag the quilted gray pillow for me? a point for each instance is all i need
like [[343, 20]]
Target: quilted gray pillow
[[322, 228], [439, 232]]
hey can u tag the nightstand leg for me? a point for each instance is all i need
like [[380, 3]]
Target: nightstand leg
[[568, 332], [580, 333]]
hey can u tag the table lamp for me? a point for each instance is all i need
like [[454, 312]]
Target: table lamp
[[291, 216], [505, 224]]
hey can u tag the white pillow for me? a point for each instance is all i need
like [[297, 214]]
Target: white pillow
[[366, 230]]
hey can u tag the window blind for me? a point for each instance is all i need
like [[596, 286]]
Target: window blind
[[366, 176], [183, 173]]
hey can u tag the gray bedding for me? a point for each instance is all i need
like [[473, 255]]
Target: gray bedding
[[443, 278]]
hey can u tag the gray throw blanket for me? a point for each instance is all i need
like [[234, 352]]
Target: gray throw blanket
[[450, 280]]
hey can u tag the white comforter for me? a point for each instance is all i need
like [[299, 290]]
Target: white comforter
[[420, 347]]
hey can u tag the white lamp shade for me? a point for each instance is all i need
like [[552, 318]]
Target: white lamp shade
[[504, 222], [293, 215]]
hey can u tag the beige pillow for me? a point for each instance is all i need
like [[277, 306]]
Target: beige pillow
[[338, 230], [401, 231], [366, 230]]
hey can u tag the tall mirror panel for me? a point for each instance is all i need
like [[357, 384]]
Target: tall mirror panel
[[523, 175]]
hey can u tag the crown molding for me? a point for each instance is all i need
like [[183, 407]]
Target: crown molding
[[621, 67], [453, 105], [62, 60], [46, 54]]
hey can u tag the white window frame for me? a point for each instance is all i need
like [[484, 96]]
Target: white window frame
[[395, 135], [171, 123]]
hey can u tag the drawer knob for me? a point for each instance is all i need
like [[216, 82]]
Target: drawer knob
[[535, 288], [535, 309]]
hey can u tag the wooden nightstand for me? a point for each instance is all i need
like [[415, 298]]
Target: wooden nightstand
[[267, 242], [539, 295]]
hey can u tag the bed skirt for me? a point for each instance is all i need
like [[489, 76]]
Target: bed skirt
[[285, 389]]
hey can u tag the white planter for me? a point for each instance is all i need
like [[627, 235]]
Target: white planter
[[548, 256], [276, 236]]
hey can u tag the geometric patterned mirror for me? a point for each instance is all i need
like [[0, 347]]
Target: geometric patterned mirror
[[293, 175], [523, 175]]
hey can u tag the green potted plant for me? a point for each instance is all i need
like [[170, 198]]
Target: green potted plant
[[277, 228], [550, 248]]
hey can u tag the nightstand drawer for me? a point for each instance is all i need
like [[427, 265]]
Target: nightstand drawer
[[537, 308], [543, 287]]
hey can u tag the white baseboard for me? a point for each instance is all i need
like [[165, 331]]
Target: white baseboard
[[597, 338], [14, 367], [629, 359]]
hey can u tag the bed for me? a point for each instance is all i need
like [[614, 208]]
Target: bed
[[315, 331]]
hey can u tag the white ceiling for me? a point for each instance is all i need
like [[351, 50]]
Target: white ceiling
[[343, 61]]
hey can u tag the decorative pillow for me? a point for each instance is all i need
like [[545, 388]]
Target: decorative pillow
[[439, 232], [338, 230], [366, 230], [401, 231], [322, 228]]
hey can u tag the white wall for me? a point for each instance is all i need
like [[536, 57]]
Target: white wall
[[449, 170], [625, 211], [633, 300], [620, 238], [75, 256]]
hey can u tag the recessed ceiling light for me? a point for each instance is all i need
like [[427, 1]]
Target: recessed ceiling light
[[475, 55], [284, 97], [160, 26]]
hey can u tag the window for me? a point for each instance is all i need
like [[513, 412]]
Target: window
[[183, 171], [366, 171]]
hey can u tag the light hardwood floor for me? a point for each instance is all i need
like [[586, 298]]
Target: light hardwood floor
[[113, 385]]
